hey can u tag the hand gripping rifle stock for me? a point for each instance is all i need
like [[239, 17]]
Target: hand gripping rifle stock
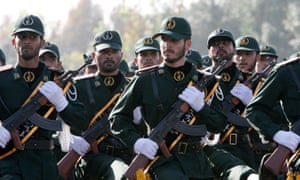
[[36, 101], [169, 122], [276, 160], [99, 128]]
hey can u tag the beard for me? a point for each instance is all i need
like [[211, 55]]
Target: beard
[[221, 53], [108, 66], [179, 55], [28, 54]]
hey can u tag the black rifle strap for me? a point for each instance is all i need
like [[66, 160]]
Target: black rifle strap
[[155, 91], [89, 92], [295, 77]]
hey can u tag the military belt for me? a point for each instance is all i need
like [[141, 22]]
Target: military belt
[[186, 147], [39, 145], [235, 139]]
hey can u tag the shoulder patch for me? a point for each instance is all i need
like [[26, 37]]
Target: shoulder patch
[[6, 67], [85, 76]]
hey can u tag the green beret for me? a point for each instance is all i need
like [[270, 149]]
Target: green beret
[[146, 43], [268, 50], [52, 48], [247, 43], [175, 27], [217, 34], [107, 39], [29, 23]]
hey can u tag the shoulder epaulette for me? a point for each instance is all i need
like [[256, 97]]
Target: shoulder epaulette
[[147, 69], [85, 76], [6, 67]]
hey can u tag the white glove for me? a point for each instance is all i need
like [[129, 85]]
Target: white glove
[[4, 136], [79, 145], [146, 147], [137, 115], [288, 139], [243, 93], [54, 94], [210, 139], [193, 97]]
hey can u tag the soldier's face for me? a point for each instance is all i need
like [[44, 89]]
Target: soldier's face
[[222, 48], [245, 60], [173, 50], [27, 44], [108, 60], [147, 58]]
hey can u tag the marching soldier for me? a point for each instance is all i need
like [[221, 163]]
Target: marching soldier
[[34, 158], [99, 92], [50, 55], [281, 85], [156, 91], [223, 150]]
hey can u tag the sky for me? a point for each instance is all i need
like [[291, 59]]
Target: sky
[[53, 10]]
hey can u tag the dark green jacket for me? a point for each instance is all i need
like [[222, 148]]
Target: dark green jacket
[[279, 86], [140, 93], [33, 164]]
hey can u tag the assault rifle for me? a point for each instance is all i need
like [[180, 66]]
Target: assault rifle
[[172, 121], [231, 101], [28, 111], [276, 160], [99, 128]]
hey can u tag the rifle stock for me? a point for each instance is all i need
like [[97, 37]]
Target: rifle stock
[[277, 159], [66, 164]]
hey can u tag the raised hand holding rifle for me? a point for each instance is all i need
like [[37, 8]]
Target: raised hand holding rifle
[[39, 98], [190, 97]]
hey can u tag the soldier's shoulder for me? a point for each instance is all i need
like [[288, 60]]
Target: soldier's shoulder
[[147, 70], [6, 68], [83, 77]]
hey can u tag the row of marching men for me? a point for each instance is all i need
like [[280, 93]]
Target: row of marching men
[[170, 120]]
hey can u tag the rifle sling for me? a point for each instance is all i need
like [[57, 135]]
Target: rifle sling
[[155, 91]]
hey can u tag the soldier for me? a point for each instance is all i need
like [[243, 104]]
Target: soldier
[[34, 159], [156, 91], [50, 55], [280, 85], [147, 53], [267, 55], [194, 57], [2, 58], [221, 45], [97, 91]]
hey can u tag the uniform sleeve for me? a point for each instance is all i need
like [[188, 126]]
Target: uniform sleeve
[[258, 112], [121, 115]]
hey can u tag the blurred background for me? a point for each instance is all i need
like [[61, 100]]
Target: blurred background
[[72, 24]]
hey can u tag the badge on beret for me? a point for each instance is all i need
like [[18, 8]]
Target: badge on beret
[[225, 77], [148, 41], [107, 36], [109, 81], [171, 24], [266, 48], [178, 76], [28, 21], [244, 42], [29, 76]]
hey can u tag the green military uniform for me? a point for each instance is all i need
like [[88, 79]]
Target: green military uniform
[[37, 160], [95, 91], [280, 85], [140, 93], [34, 162]]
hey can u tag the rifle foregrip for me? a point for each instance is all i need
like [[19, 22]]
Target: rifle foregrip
[[66, 164], [139, 162], [277, 159]]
